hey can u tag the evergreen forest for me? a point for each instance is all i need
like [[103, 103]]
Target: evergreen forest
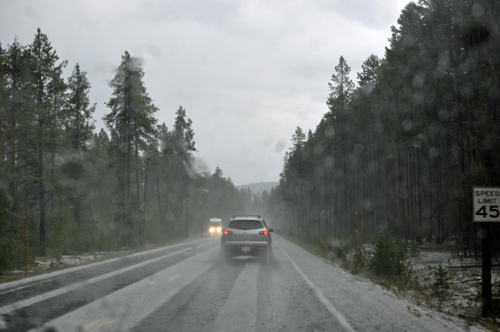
[[403, 145], [81, 189]]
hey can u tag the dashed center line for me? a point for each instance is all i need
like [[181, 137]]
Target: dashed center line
[[175, 277]]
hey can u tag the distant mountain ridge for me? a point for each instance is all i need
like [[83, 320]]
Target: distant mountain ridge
[[257, 188]]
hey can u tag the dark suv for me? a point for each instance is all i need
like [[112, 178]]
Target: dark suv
[[246, 235]]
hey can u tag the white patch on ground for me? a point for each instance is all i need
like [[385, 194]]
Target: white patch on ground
[[465, 282], [69, 260], [43, 264]]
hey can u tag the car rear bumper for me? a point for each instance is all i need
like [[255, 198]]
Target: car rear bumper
[[238, 248], [246, 243]]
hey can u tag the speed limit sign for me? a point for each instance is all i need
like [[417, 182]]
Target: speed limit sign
[[486, 204]]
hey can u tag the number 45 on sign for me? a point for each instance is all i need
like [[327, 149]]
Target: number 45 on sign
[[486, 204]]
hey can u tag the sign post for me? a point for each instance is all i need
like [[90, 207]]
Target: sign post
[[486, 209]]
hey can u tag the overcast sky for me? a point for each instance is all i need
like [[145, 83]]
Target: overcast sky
[[247, 72]]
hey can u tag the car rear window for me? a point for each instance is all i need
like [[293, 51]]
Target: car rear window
[[245, 224]]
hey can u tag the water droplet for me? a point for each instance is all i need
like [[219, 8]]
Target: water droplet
[[329, 131], [433, 152], [407, 124], [477, 10]]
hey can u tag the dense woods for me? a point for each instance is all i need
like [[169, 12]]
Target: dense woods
[[83, 189], [404, 144]]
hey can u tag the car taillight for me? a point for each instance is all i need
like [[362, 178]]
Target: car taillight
[[264, 232], [226, 232]]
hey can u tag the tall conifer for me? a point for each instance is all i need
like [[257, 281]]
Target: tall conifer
[[79, 122], [132, 124], [45, 111]]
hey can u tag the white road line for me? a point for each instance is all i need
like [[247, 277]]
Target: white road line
[[320, 295], [22, 304], [37, 283], [240, 310], [63, 273], [133, 303], [205, 244]]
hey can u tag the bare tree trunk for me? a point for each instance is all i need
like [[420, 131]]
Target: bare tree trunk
[[157, 180], [137, 183], [417, 189], [145, 198], [344, 213], [41, 186]]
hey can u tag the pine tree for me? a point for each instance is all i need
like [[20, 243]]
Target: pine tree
[[4, 106], [45, 114], [341, 88], [14, 105], [184, 134], [79, 122], [441, 285], [298, 139], [369, 73], [101, 185], [132, 125], [341, 92], [9, 239]]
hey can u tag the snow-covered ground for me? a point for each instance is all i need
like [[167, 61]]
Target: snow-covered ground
[[465, 281], [463, 299], [46, 264], [70, 260]]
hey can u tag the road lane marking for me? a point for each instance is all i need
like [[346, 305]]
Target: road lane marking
[[35, 284], [97, 328], [175, 277], [76, 269], [132, 303], [343, 322], [25, 303], [106, 323], [239, 313], [89, 325], [205, 244]]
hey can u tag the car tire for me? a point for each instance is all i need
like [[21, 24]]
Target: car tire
[[269, 256], [226, 258]]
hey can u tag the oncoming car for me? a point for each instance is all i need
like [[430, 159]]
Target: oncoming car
[[246, 235], [215, 226]]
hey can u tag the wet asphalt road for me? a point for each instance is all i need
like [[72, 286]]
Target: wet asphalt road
[[188, 288]]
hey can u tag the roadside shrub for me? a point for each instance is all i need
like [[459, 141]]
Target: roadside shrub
[[441, 285], [391, 259], [11, 252], [334, 248], [363, 258], [11, 235], [341, 250]]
